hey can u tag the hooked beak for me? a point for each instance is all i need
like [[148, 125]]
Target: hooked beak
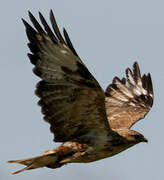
[[145, 140]]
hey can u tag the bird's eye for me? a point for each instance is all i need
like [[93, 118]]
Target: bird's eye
[[137, 136]]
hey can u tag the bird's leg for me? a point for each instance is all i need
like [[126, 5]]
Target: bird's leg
[[78, 154], [69, 151]]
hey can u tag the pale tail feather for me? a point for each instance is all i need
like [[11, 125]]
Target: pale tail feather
[[36, 162]]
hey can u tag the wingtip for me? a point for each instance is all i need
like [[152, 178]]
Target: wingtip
[[40, 14], [64, 30], [135, 63], [135, 66], [29, 13], [51, 14], [51, 11], [149, 75], [150, 84], [24, 21], [116, 79], [137, 73], [128, 71], [65, 33]]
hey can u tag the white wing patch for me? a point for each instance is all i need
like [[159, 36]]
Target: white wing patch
[[134, 90]]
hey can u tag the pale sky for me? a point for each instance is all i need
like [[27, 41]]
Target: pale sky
[[109, 35]]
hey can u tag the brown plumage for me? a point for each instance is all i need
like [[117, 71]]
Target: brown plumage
[[91, 123]]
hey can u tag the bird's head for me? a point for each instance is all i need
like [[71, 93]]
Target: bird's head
[[133, 136]]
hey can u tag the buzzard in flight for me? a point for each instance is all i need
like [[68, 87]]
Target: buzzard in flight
[[90, 123]]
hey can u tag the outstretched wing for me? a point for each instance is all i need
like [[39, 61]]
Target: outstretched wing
[[72, 101], [130, 99]]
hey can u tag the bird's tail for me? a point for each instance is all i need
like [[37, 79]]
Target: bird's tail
[[47, 159], [54, 158]]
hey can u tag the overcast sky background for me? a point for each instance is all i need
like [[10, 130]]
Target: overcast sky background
[[109, 35]]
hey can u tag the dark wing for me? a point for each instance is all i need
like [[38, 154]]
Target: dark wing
[[129, 100], [72, 101]]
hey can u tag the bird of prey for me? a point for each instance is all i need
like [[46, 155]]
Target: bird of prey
[[90, 123]]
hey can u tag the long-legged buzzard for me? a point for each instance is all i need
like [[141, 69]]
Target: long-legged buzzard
[[91, 124]]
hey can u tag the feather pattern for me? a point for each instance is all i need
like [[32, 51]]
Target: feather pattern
[[71, 99], [91, 124], [129, 100]]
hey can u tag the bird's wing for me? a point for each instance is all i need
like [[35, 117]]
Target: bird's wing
[[71, 99], [129, 99]]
